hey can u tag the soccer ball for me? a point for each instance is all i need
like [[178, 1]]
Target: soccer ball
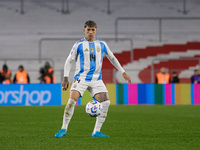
[[93, 108]]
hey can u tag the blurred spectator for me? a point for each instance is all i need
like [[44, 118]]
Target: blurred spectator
[[21, 77], [162, 77], [47, 74], [5, 75], [175, 78], [196, 77]]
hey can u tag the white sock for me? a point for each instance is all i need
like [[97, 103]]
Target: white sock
[[101, 118], [68, 112]]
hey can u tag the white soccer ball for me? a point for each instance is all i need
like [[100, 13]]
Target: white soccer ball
[[93, 108]]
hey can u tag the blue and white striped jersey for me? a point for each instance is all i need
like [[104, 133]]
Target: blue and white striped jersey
[[89, 59]]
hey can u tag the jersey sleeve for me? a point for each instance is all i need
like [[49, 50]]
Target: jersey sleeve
[[112, 58], [70, 59]]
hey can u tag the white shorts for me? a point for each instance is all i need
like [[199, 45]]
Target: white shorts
[[93, 87]]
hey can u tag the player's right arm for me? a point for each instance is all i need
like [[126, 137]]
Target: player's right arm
[[68, 65], [65, 83]]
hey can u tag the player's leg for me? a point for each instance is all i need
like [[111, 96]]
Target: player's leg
[[69, 108], [104, 99], [99, 92], [77, 89], [68, 113]]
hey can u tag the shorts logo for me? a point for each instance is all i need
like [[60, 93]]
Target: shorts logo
[[92, 49], [98, 49], [78, 80]]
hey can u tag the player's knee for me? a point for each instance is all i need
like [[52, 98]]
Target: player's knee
[[102, 97], [74, 95]]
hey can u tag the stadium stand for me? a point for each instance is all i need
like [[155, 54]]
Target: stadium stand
[[177, 52], [20, 34], [142, 61]]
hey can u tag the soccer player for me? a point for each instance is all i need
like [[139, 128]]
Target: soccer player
[[88, 55]]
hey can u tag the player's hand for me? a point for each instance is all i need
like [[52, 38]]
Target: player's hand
[[65, 83], [126, 77]]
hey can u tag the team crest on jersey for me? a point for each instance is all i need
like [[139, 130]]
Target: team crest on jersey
[[92, 49], [86, 50], [98, 49]]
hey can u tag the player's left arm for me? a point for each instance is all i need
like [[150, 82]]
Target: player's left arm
[[117, 65], [126, 77]]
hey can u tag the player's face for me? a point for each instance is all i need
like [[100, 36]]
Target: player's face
[[90, 33]]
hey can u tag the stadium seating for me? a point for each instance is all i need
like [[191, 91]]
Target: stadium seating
[[174, 65], [142, 61], [20, 34]]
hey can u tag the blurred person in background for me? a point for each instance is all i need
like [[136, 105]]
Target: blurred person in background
[[21, 77], [5, 75], [162, 77], [47, 74], [175, 78], [196, 77]]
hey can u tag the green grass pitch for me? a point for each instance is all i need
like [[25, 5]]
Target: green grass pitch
[[140, 127]]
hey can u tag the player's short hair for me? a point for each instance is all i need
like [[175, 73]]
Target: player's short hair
[[90, 23]]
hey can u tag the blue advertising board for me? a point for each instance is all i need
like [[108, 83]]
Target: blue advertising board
[[30, 94]]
